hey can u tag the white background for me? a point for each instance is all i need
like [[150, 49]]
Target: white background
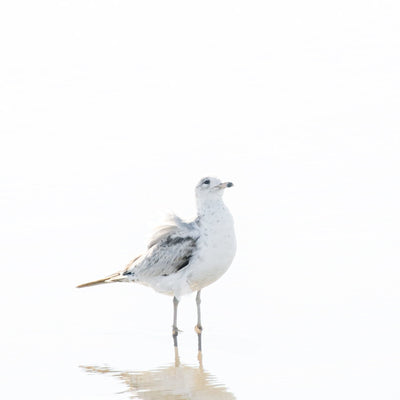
[[111, 111]]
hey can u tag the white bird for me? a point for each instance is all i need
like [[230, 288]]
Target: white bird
[[183, 257]]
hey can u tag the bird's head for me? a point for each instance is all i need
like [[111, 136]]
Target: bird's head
[[210, 188]]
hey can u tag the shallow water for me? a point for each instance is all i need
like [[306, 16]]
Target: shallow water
[[176, 381], [308, 310], [115, 343]]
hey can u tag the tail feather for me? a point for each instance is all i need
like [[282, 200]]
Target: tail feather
[[109, 279]]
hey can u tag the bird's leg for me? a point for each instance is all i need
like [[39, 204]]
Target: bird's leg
[[198, 328], [177, 359], [174, 325], [200, 358]]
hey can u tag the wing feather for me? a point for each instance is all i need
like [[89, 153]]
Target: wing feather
[[170, 249]]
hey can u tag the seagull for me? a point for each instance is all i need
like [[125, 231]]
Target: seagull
[[184, 257]]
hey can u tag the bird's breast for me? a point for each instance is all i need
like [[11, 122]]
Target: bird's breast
[[216, 249], [218, 245]]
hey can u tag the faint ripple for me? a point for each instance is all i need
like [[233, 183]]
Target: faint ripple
[[171, 382]]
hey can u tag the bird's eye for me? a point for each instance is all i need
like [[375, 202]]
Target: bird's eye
[[206, 182]]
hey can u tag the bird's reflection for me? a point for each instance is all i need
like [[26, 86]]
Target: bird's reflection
[[173, 382]]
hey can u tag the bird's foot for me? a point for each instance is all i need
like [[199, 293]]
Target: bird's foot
[[198, 329]]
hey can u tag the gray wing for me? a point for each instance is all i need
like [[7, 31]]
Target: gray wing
[[170, 249], [174, 227]]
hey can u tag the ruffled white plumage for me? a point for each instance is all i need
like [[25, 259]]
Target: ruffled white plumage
[[182, 257]]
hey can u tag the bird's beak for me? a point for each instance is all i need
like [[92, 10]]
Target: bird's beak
[[224, 185]]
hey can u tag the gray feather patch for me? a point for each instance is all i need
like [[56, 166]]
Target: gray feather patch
[[170, 250]]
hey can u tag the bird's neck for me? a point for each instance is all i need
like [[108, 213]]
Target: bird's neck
[[211, 208]]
